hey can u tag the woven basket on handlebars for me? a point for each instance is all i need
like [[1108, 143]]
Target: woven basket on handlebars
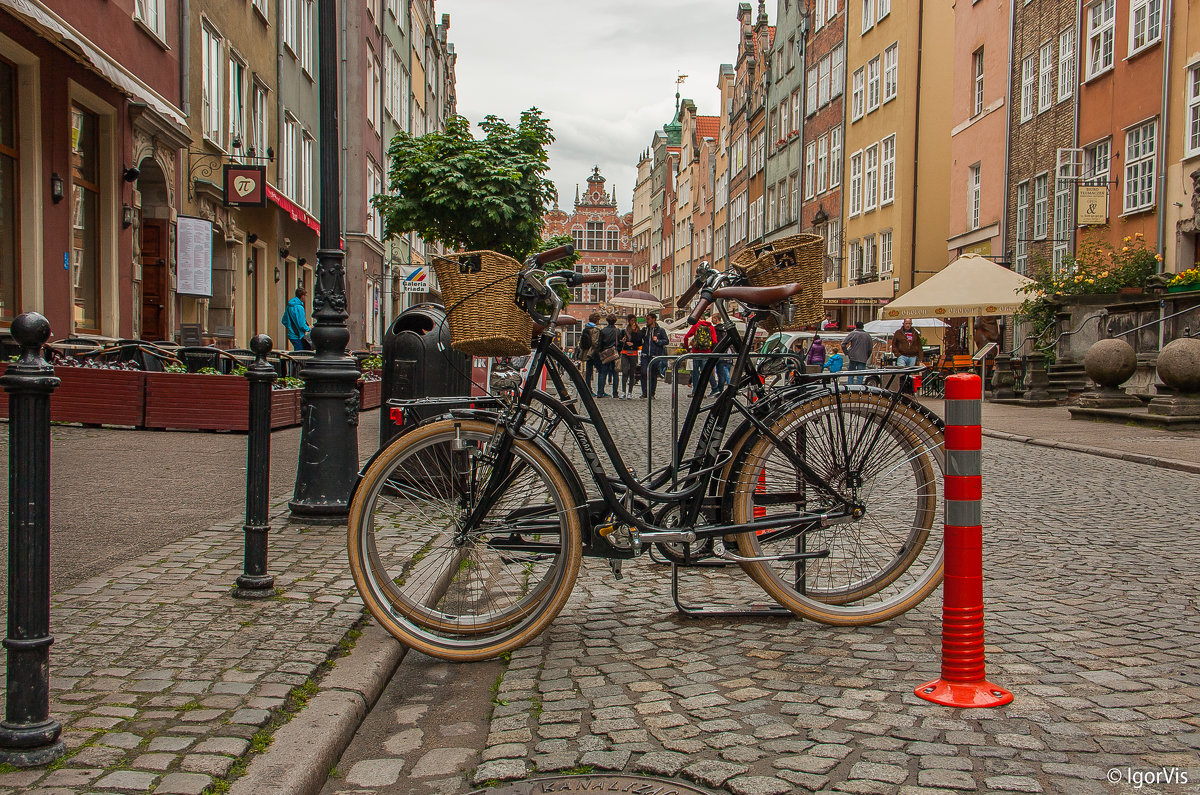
[[797, 258], [479, 289]]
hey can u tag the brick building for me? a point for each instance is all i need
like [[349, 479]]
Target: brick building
[[604, 238]]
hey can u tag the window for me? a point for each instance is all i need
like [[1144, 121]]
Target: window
[[1145, 24], [1046, 77], [389, 79], [794, 190], [856, 260], [1022, 242], [810, 170], [891, 72], [304, 35], [612, 239], [833, 247], [773, 131], [152, 14], [259, 120], [1066, 64], [810, 87], [772, 217], [287, 13], [211, 100], [832, 8], [887, 174], [868, 256], [871, 178], [796, 110], [873, 84], [868, 15], [823, 95], [1140, 150], [885, 8], [755, 206], [1062, 222], [1101, 24], [577, 238], [1028, 80], [856, 161], [885, 252], [819, 13], [1096, 160], [973, 185], [373, 98], [835, 157], [822, 164], [374, 187], [791, 53], [85, 218], [304, 188], [595, 236], [1192, 137], [837, 77], [784, 209], [237, 106], [287, 155], [977, 70], [857, 94], [10, 271], [1041, 206], [785, 126]]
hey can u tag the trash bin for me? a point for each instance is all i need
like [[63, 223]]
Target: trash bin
[[418, 362]]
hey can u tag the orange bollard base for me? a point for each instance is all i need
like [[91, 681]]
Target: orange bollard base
[[964, 694]]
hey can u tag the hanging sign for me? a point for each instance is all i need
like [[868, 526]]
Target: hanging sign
[[1093, 205], [193, 256], [416, 280], [245, 186]]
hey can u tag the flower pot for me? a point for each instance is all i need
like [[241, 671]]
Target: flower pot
[[1131, 291], [1182, 288]]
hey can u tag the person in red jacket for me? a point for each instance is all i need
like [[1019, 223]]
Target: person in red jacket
[[701, 338]]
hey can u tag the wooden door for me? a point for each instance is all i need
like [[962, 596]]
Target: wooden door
[[154, 279]]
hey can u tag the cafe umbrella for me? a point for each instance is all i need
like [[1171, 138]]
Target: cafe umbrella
[[636, 299]]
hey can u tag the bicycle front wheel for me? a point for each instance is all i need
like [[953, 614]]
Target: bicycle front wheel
[[452, 588], [887, 459]]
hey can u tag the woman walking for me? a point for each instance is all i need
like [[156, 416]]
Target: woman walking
[[631, 346]]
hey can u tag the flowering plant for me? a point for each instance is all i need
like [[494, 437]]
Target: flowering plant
[[1191, 276]]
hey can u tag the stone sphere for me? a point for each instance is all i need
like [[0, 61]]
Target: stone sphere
[[1110, 363], [261, 344], [30, 330], [1179, 364]]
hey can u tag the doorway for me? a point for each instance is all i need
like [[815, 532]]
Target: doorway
[[154, 279]]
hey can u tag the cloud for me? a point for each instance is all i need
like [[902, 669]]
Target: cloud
[[604, 74]]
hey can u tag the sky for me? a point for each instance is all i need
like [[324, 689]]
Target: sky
[[603, 73]]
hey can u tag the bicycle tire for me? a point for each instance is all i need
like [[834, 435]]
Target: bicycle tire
[[453, 595], [868, 576]]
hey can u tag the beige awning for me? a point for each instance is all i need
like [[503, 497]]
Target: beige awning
[[871, 292], [971, 286]]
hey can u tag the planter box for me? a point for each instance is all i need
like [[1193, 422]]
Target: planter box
[[188, 401], [94, 397], [1183, 288], [370, 394]]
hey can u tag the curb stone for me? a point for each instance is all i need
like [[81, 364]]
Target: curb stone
[[304, 749], [1120, 455]]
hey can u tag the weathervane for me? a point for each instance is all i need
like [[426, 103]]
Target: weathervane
[[678, 82]]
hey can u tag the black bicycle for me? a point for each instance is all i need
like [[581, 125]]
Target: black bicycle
[[466, 533]]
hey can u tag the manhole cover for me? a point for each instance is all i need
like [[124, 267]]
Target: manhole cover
[[629, 785]]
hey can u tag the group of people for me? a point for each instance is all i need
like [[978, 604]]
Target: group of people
[[853, 353], [604, 351]]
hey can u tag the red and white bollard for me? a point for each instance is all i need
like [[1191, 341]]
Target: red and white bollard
[[963, 682]]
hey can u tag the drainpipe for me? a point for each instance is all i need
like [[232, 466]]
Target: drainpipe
[[912, 265], [1074, 236], [1012, 24], [1162, 134], [185, 56]]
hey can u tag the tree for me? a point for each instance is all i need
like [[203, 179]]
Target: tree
[[472, 193]]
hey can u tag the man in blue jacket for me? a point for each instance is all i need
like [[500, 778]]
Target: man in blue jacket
[[295, 324], [655, 345]]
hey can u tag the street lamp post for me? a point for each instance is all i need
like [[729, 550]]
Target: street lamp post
[[328, 462]]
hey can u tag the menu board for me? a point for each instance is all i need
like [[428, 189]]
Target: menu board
[[193, 256]]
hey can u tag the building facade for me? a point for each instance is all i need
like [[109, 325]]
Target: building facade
[[1181, 219]]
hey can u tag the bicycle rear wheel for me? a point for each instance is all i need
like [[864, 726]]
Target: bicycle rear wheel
[[888, 462], [452, 591]]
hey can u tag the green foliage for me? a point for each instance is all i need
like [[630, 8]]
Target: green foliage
[[1097, 268], [468, 193], [208, 371], [288, 382], [1191, 276], [372, 363], [175, 368], [238, 370]]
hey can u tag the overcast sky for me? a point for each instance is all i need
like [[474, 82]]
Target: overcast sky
[[602, 72]]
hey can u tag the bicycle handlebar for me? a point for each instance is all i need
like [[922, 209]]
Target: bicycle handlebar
[[706, 299], [554, 254], [591, 278], [690, 293]]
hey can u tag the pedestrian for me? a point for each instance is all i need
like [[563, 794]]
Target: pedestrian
[[815, 358], [608, 356], [796, 361], [589, 340], [835, 362], [295, 323], [702, 337], [654, 344], [722, 363], [858, 345], [631, 347], [907, 345]]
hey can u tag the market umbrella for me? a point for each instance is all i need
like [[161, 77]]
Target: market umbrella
[[636, 299], [890, 326]]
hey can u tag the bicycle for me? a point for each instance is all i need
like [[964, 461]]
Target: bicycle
[[466, 533]]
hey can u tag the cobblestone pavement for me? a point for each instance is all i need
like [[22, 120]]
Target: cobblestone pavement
[[1092, 620]]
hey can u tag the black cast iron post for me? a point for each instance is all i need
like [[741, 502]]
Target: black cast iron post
[[328, 464], [255, 583], [28, 735]]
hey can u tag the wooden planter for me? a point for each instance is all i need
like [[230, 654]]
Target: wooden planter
[[187, 401], [94, 397], [370, 394]]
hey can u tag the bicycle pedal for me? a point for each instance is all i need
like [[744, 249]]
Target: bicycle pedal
[[615, 565]]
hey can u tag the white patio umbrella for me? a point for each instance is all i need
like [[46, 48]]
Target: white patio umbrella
[[890, 326], [636, 299]]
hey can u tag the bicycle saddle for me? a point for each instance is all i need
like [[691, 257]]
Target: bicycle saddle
[[759, 296]]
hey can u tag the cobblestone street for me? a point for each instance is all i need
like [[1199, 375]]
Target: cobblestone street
[[1092, 621]]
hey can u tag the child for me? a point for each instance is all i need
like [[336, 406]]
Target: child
[[835, 362]]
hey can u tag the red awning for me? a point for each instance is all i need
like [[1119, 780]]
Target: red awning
[[297, 212]]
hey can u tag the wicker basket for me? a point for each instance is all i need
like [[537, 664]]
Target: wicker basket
[[479, 289], [798, 258]]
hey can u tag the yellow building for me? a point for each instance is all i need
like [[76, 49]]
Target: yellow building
[[1181, 208], [896, 151]]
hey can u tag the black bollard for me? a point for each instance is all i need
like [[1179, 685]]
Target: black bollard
[[28, 736], [255, 583]]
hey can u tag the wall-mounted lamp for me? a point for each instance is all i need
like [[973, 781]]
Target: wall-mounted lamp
[[283, 252], [302, 262], [56, 188], [277, 274], [131, 174], [126, 216], [252, 238]]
